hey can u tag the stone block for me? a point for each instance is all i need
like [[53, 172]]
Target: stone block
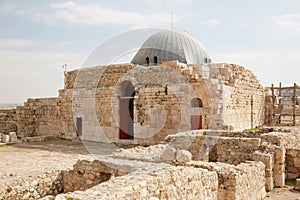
[[183, 156], [279, 180], [269, 183], [5, 138], [297, 186], [169, 154], [13, 137]]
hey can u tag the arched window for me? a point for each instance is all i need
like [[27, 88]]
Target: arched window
[[155, 60], [147, 60], [196, 102]]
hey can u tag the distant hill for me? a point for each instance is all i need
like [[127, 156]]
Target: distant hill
[[288, 94], [9, 105]]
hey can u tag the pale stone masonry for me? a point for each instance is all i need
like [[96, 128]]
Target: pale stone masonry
[[231, 98]]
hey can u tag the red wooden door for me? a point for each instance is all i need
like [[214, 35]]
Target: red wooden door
[[126, 119], [196, 122]]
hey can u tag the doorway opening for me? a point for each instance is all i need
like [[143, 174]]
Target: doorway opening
[[126, 111], [79, 126]]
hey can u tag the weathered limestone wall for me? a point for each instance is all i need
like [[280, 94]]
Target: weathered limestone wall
[[8, 121], [232, 150], [243, 96], [86, 174], [168, 183], [39, 117], [33, 187], [292, 162], [166, 88], [162, 102], [244, 181], [213, 146]]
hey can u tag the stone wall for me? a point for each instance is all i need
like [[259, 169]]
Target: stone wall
[[167, 183], [269, 148], [292, 163], [232, 150], [39, 117], [161, 103], [244, 181], [244, 98], [86, 174], [8, 121], [162, 99], [33, 187]]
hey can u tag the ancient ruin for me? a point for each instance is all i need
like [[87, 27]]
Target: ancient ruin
[[197, 128]]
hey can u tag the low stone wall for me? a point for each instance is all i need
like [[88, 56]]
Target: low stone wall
[[209, 146], [236, 150], [86, 174], [244, 181], [223, 149], [33, 187], [8, 120], [39, 117], [292, 163], [168, 183]]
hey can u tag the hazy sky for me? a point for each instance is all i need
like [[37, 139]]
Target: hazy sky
[[38, 37]]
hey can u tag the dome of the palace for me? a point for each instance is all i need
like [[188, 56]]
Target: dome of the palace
[[170, 45]]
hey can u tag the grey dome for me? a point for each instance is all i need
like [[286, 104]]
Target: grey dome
[[170, 45]]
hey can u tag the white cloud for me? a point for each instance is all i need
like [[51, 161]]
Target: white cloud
[[10, 8], [18, 63], [10, 44], [290, 22], [210, 22], [34, 74], [29, 45], [76, 13], [6, 8]]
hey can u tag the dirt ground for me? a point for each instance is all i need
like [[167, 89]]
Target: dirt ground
[[285, 193], [23, 160], [27, 159]]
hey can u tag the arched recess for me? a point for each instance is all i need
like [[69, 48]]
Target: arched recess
[[196, 102], [196, 120], [155, 60], [126, 110]]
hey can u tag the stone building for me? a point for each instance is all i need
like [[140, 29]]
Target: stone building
[[170, 85]]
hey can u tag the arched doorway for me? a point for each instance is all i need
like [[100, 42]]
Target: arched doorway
[[126, 111], [196, 120]]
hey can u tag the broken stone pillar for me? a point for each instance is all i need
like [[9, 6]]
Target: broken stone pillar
[[279, 166], [183, 156], [13, 137], [267, 159], [5, 138], [169, 154]]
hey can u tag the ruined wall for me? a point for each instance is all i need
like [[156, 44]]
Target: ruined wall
[[244, 181], [243, 96], [39, 117], [8, 121], [240, 147], [33, 187], [292, 163], [168, 183], [86, 174], [162, 102]]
